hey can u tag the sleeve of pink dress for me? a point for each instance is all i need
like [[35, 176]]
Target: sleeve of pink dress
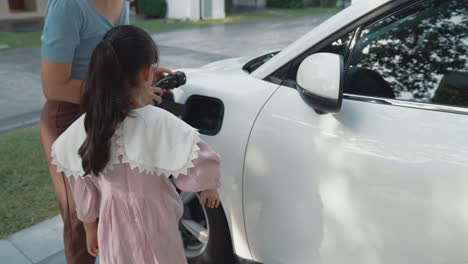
[[206, 173], [87, 198]]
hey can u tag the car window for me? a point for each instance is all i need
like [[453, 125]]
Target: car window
[[419, 54], [339, 46]]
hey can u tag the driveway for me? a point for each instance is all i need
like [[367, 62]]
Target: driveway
[[21, 96]]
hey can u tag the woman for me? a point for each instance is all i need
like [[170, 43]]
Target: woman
[[72, 30]]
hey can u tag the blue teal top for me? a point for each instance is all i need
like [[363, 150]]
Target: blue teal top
[[72, 30]]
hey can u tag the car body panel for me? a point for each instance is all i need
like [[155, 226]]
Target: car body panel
[[372, 184], [232, 85]]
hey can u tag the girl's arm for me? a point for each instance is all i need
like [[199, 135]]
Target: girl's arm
[[87, 202], [91, 238], [205, 176], [87, 198]]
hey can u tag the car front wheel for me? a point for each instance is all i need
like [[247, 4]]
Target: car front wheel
[[205, 233]]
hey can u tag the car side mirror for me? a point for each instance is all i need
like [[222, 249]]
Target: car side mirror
[[320, 81]]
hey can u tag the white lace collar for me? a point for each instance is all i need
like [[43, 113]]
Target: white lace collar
[[150, 139]]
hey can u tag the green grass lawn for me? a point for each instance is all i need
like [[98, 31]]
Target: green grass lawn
[[24, 40], [20, 40], [26, 192]]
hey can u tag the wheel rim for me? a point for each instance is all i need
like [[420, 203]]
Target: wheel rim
[[194, 226]]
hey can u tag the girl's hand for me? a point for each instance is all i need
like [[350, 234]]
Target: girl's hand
[[209, 198], [154, 95], [92, 238]]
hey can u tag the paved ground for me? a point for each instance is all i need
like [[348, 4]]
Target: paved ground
[[21, 25], [20, 90], [21, 100]]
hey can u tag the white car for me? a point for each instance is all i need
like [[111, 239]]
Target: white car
[[348, 146]]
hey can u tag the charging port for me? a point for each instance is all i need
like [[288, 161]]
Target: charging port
[[204, 113]]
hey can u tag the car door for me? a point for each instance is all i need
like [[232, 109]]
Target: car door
[[385, 180]]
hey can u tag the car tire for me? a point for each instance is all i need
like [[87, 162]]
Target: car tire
[[219, 249]]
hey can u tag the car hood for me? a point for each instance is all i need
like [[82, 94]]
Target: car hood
[[228, 64]]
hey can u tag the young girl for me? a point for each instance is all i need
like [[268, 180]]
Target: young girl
[[118, 156]]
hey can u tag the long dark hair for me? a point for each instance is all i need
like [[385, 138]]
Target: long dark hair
[[114, 67]]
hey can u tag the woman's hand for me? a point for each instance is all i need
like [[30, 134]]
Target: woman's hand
[[155, 93], [92, 238], [209, 198], [159, 73]]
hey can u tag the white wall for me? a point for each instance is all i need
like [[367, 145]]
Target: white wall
[[41, 6], [183, 9], [190, 9], [218, 9], [4, 8]]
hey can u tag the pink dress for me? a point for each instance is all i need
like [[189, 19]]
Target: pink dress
[[138, 211]]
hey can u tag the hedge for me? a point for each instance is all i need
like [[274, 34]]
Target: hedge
[[285, 3], [153, 8]]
